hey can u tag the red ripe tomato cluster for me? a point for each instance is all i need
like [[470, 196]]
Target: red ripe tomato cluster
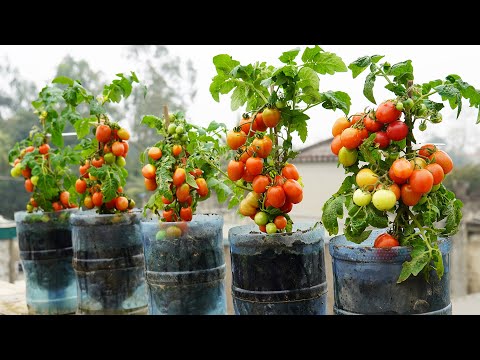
[[113, 149], [349, 135], [274, 191]]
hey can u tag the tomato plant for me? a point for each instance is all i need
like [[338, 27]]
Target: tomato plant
[[46, 169], [183, 166], [404, 179], [276, 101]]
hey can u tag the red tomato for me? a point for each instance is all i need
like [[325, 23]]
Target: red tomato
[[245, 154], [150, 184], [402, 168], [287, 207], [437, 171], [179, 177], [176, 150], [27, 172], [154, 153], [397, 130], [276, 196], [410, 197], [260, 183], [149, 171], [247, 176], [280, 222], [65, 198], [387, 112], [118, 149], [271, 117], [259, 123], [385, 241], [355, 118], [80, 186], [441, 158], [169, 215], [97, 199], [290, 171], [293, 190], [103, 133], [427, 150], [43, 149], [98, 162], [336, 144], [350, 138], [121, 203], [235, 170], [166, 201], [263, 146], [202, 187], [254, 166], [371, 124], [236, 139], [395, 178], [186, 214], [29, 185], [381, 138], [421, 181], [245, 123], [340, 125], [183, 192]]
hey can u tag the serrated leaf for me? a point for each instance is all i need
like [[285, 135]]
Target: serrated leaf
[[337, 100], [357, 239], [224, 63], [82, 127], [288, 56], [96, 108], [414, 266], [368, 87], [332, 211], [347, 185], [359, 65], [328, 63], [152, 121], [310, 53], [309, 78], [401, 68], [239, 96], [62, 80], [376, 218]]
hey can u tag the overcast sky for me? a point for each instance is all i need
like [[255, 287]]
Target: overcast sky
[[38, 63]]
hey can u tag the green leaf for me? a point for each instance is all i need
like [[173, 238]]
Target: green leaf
[[433, 105], [347, 185], [152, 121], [96, 108], [401, 68], [419, 260], [328, 63], [224, 63], [288, 56], [454, 216], [308, 78], [310, 54], [337, 100], [191, 181], [82, 127], [63, 80], [376, 218], [368, 87], [397, 89], [332, 211], [239, 96]]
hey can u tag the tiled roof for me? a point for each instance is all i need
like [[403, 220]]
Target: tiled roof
[[316, 153]]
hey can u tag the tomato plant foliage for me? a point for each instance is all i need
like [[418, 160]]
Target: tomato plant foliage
[[417, 219]]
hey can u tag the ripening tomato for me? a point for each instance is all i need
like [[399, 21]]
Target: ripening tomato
[[123, 134], [356, 118], [98, 162], [437, 171], [125, 148], [252, 199], [366, 179], [183, 192], [381, 138], [290, 171], [293, 191], [169, 215], [235, 170], [347, 157], [443, 159], [336, 144], [196, 172], [29, 185], [371, 124], [363, 133], [427, 150], [395, 178], [149, 171], [260, 183], [88, 202], [29, 149], [57, 206], [387, 112], [384, 200], [121, 203], [419, 163], [65, 198], [110, 204], [262, 228], [27, 172], [33, 202], [245, 154], [254, 166], [279, 180], [276, 196], [339, 125], [271, 117], [179, 177], [236, 139], [410, 197], [393, 188], [189, 200], [176, 150], [421, 181], [247, 176], [166, 201], [397, 130], [103, 133], [246, 209], [280, 222], [259, 123], [385, 241], [263, 146], [43, 149], [402, 168], [97, 198], [186, 214], [245, 123], [154, 153], [118, 149], [150, 184], [350, 138], [202, 187]]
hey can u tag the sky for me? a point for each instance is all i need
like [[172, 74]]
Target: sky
[[38, 63]]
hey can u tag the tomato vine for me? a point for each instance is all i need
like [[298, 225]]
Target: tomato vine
[[393, 182]]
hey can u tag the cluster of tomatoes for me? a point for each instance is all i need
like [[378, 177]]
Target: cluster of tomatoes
[[62, 201], [384, 122], [179, 202], [112, 149], [274, 190], [409, 179]]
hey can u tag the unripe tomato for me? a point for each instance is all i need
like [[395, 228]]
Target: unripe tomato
[[361, 197], [366, 178], [271, 228], [261, 218], [347, 157], [384, 200]]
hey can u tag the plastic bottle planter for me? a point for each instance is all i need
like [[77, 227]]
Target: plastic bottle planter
[[185, 266], [45, 242], [280, 274], [365, 280], [108, 261]]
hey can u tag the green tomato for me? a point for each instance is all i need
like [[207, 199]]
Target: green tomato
[[179, 130], [172, 128], [109, 158], [173, 232], [184, 138], [435, 187], [347, 157], [176, 136], [16, 171], [422, 110], [120, 161], [131, 204], [361, 197], [29, 208], [384, 200], [436, 119], [34, 180], [271, 228], [239, 182], [160, 235], [261, 218], [408, 104], [280, 104], [399, 106]]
